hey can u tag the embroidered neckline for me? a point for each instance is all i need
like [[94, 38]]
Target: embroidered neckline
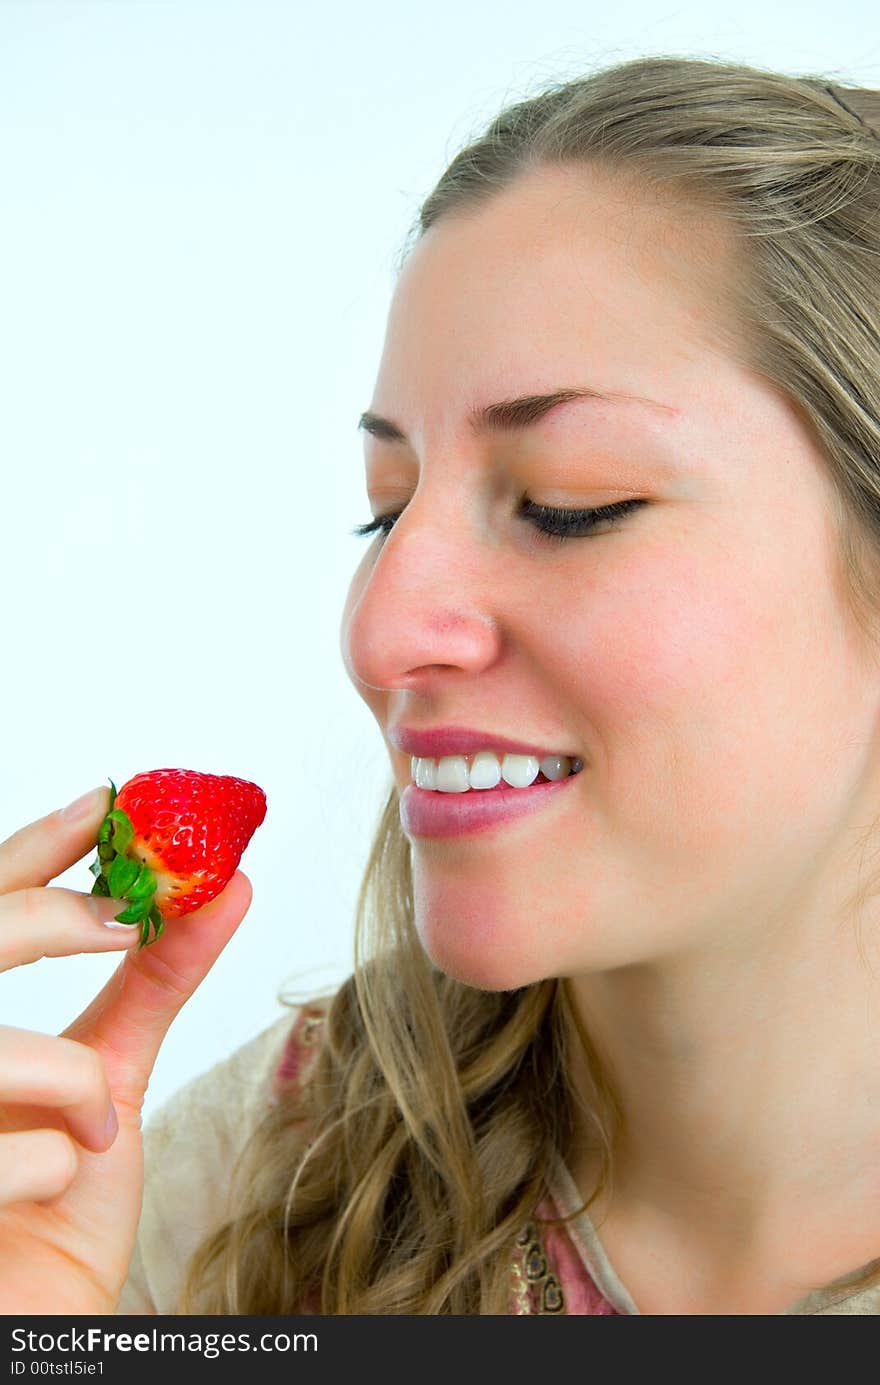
[[536, 1289]]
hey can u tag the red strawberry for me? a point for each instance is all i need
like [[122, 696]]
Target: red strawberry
[[172, 840]]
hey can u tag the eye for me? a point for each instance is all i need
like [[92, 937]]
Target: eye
[[575, 524], [555, 524]]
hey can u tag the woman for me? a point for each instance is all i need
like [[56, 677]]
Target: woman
[[609, 1044]]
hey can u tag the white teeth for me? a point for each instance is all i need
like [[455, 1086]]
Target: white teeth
[[424, 772], [485, 771], [520, 770], [453, 774]]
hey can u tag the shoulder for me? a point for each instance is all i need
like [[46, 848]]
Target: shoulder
[[192, 1140]]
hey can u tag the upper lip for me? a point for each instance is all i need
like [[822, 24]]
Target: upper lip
[[437, 741]]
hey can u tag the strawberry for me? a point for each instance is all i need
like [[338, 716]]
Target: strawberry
[[172, 839]]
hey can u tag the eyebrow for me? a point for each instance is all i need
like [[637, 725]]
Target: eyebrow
[[511, 415]]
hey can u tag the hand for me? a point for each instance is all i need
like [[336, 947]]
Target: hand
[[71, 1185]]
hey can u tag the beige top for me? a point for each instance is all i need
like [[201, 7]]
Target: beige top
[[189, 1146], [191, 1141]]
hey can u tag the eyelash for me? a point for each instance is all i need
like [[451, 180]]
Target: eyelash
[[556, 525]]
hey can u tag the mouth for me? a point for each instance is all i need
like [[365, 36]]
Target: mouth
[[438, 813], [489, 771]]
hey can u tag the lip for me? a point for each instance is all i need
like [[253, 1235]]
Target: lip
[[438, 741], [430, 813]]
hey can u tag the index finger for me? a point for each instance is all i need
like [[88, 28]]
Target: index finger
[[44, 849]]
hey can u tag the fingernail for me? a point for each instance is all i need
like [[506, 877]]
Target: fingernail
[[81, 807], [131, 930]]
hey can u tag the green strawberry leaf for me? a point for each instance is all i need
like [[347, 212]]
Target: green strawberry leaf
[[120, 829], [143, 886], [122, 876], [138, 911]]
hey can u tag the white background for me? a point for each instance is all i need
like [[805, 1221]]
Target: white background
[[201, 209]]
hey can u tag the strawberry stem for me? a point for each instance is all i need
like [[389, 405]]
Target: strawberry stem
[[120, 876]]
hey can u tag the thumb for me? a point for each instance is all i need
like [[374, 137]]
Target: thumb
[[128, 1020]]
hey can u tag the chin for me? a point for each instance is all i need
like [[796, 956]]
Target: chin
[[486, 969]]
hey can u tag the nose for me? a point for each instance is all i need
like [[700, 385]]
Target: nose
[[421, 605]]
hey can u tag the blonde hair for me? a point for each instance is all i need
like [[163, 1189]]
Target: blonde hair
[[400, 1179]]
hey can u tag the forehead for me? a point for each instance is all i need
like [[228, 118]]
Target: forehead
[[561, 276]]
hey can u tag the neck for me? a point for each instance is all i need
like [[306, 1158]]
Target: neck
[[750, 1090]]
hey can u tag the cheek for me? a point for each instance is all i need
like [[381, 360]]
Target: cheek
[[682, 681], [712, 693], [661, 645]]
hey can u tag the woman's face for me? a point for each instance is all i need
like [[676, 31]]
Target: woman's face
[[694, 654]]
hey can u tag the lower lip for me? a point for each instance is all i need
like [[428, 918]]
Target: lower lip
[[430, 813]]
